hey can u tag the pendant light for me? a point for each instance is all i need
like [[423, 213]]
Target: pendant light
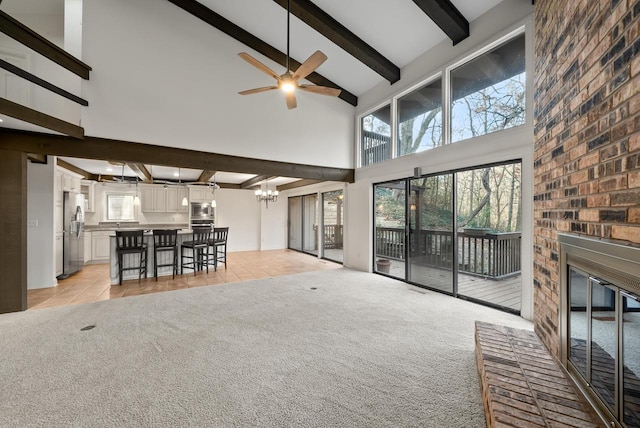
[[185, 202], [213, 192]]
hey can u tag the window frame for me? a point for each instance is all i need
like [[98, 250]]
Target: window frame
[[132, 194]]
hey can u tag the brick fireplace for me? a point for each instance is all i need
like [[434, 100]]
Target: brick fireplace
[[587, 137]]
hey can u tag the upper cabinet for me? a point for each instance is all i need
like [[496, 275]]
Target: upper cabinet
[[200, 194], [87, 188], [155, 198]]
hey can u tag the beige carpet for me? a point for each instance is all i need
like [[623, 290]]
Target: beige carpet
[[332, 348]]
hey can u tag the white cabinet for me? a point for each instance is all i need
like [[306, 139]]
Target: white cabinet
[[175, 195], [87, 247], [200, 194], [100, 242], [87, 188], [162, 199]]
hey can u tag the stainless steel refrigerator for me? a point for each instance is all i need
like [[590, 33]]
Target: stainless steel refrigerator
[[73, 233]]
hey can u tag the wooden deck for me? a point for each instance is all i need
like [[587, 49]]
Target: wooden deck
[[503, 292]]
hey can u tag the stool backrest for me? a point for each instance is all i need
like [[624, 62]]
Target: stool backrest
[[165, 238], [220, 234], [129, 239], [201, 235]]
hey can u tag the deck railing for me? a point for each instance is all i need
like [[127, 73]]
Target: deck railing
[[333, 236], [491, 255], [375, 147]]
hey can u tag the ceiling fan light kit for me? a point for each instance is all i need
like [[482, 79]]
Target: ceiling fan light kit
[[288, 82]]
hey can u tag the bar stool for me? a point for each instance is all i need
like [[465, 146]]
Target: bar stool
[[131, 242], [199, 247], [164, 241], [219, 244]]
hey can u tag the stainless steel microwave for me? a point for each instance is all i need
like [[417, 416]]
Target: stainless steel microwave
[[202, 211]]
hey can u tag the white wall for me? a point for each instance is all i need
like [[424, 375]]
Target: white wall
[[161, 76], [239, 211], [40, 225]]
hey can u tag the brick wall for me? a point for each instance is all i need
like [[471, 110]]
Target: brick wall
[[587, 135]]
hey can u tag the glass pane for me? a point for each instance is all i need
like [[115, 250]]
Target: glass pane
[[310, 225], [420, 119], [295, 223], [120, 207], [631, 361], [489, 213], [390, 224], [488, 92], [332, 218], [375, 130], [603, 342], [431, 232], [578, 292]]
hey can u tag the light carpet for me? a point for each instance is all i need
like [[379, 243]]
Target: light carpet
[[359, 350]]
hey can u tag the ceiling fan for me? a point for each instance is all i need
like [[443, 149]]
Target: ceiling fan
[[288, 82]]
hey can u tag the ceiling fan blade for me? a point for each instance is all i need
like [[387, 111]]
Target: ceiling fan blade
[[260, 66], [257, 90], [322, 90], [307, 67], [291, 100]]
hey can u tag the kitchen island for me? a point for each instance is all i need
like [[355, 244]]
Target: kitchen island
[[132, 260]]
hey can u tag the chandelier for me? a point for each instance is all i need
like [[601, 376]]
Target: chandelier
[[266, 195]]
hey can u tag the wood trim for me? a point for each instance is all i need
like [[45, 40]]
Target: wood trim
[[106, 149], [447, 17], [212, 18], [42, 83], [35, 117], [35, 41], [255, 180], [206, 176], [66, 165], [141, 171], [36, 158], [326, 25], [13, 239], [296, 184]]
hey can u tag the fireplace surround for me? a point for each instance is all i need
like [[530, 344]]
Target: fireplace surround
[[600, 324]]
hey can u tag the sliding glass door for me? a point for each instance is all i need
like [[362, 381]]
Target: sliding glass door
[[390, 230], [310, 224], [295, 223], [332, 225], [431, 249], [463, 234]]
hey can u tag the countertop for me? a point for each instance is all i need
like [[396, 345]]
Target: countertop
[[112, 227]]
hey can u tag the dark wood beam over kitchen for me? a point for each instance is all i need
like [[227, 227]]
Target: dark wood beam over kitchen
[[42, 83], [255, 180], [202, 12], [326, 25], [13, 224], [296, 184], [37, 158], [205, 176], [141, 171], [35, 41], [447, 17], [66, 165], [35, 117], [106, 149]]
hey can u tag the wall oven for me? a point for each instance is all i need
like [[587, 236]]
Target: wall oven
[[202, 214]]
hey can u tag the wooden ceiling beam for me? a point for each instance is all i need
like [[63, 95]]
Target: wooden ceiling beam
[[35, 117], [206, 176], [141, 171], [447, 17], [202, 12], [296, 184], [35, 41], [106, 149], [66, 165], [254, 181], [37, 158], [326, 25]]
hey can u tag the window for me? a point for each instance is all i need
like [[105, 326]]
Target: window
[[375, 131], [420, 119], [488, 92], [120, 207]]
